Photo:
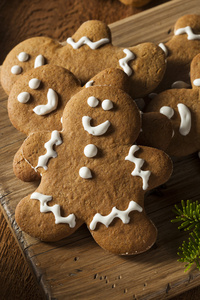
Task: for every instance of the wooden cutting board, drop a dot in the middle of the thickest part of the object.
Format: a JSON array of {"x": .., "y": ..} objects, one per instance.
[{"x": 76, "y": 267}]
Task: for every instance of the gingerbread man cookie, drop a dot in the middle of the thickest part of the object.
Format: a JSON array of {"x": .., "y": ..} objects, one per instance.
[
  {"x": 182, "y": 107},
  {"x": 93, "y": 173},
  {"x": 88, "y": 52},
  {"x": 180, "y": 50}
]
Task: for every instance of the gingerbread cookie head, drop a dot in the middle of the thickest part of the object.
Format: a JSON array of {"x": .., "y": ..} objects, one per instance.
[
  {"x": 38, "y": 98},
  {"x": 180, "y": 50},
  {"x": 93, "y": 173},
  {"x": 182, "y": 107},
  {"x": 29, "y": 54}
]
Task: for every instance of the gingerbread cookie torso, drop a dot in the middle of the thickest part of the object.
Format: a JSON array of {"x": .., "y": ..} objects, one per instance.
[{"x": 97, "y": 175}]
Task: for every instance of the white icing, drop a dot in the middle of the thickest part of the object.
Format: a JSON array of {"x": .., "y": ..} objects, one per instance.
[
  {"x": 115, "y": 213},
  {"x": 23, "y": 97},
  {"x": 179, "y": 85},
  {"x": 43, "y": 159},
  {"x": 89, "y": 83},
  {"x": 185, "y": 115},
  {"x": 95, "y": 130},
  {"x": 189, "y": 32},
  {"x": 16, "y": 70},
  {"x": 92, "y": 101},
  {"x": 90, "y": 150},
  {"x": 123, "y": 62},
  {"x": 164, "y": 48},
  {"x": 167, "y": 111},
  {"x": 107, "y": 104},
  {"x": 196, "y": 82},
  {"x": 138, "y": 165},
  {"x": 85, "y": 173},
  {"x": 52, "y": 103},
  {"x": 23, "y": 56},
  {"x": 39, "y": 61},
  {"x": 86, "y": 41},
  {"x": 34, "y": 83},
  {"x": 55, "y": 209}
]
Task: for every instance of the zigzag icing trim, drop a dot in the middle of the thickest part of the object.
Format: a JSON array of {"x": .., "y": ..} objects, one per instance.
[
  {"x": 55, "y": 209},
  {"x": 123, "y": 62},
  {"x": 138, "y": 165},
  {"x": 84, "y": 40},
  {"x": 43, "y": 159},
  {"x": 189, "y": 32},
  {"x": 115, "y": 213}
]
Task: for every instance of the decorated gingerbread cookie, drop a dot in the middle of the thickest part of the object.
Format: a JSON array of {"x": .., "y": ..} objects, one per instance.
[
  {"x": 86, "y": 53},
  {"x": 180, "y": 50},
  {"x": 93, "y": 173},
  {"x": 182, "y": 107}
]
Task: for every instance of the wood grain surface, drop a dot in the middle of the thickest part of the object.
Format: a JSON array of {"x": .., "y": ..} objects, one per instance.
[{"x": 16, "y": 279}]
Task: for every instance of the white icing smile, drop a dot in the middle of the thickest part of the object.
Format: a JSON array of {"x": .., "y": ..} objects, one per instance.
[
  {"x": 51, "y": 105},
  {"x": 189, "y": 32},
  {"x": 95, "y": 130}
]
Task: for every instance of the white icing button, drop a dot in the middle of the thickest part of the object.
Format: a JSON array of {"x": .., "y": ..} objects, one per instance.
[
  {"x": 39, "y": 61},
  {"x": 92, "y": 101},
  {"x": 23, "y": 97},
  {"x": 16, "y": 70},
  {"x": 34, "y": 83},
  {"x": 90, "y": 150},
  {"x": 196, "y": 82},
  {"x": 107, "y": 104},
  {"x": 85, "y": 173},
  {"x": 23, "y": 56}
]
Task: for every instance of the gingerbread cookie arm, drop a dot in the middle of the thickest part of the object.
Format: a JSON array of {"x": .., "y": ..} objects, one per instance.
[
  {"x": 153, "y": 166},
  {"x": 35, "y": 216},
  {"x": 23, "y": 170},
  {"x": 39, "y": 148}
]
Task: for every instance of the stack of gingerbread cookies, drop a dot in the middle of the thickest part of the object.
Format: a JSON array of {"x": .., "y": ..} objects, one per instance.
[{"x": 101, "y": 125}]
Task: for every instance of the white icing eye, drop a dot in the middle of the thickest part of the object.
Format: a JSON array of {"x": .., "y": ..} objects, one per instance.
[
  {"x": 34, "y": 83},
  {"x": 39, "y": 61},
  {"x": 16, "y": 70},
  {"x": 23, "y": 56},
  {"x": 23, "y": 97},
  {"x": 85, "y": 173},
  {"x": 92, "y": 101},
  {"x": 107, "y": 104},
  {"x": 90, "y": 150},
  {"x": 167, "y": 111}
]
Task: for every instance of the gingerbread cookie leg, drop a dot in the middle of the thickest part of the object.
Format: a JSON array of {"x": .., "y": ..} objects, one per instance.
[
  {"x": 36, "y": 214},
  {"x": 135, "y": 237}
]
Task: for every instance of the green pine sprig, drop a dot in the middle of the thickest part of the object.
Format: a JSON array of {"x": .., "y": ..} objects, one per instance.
[{"x": 189, "y": 217}]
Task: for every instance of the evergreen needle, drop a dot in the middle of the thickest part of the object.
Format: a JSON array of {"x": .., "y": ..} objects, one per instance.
[{"x": 189, "y": 217}]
